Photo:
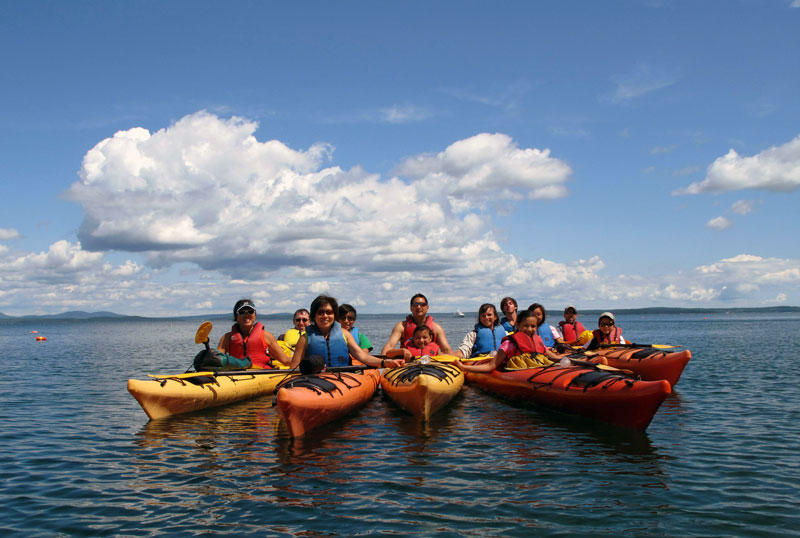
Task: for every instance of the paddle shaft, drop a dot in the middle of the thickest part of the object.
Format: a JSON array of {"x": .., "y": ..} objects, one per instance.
[{"x": 278, "y": 371}]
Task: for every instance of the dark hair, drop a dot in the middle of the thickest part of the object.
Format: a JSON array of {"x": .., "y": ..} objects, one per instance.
[
  {"x": 321, "y": 301},
  {"x": 570, "y": 310},
  {"x": 423, "y": 328},
  {"x": 534, "y": 306},
  {"x": 504, "y": 299},
  {"x": 488, "y": 306},
  {"x": 522, "y": 316},
  {"x": 239, "y": 303},
  {"x": 418, "y": 295},
  {"x": 345, "y": 309},
  {"x": 300, "y": 311}
]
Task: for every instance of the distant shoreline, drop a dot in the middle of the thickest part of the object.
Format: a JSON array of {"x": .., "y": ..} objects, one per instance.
[{"x": 650, "y": 310}]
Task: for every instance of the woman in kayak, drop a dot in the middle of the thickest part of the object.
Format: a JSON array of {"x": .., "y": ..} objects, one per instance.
[
  {"x": 486, "y": 336},
  {"x": 347, "y": 317},
  {"x": 508, "y": 306},
  {"x": 606, "y": 333},
  {"x": 249, "y": 340},
  {"x": 525, "y": 341},
  {"x": 326, "y": 338}
]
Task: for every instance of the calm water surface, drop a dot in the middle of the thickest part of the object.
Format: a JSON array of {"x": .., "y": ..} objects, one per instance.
[{"x": 78, "y": 456}]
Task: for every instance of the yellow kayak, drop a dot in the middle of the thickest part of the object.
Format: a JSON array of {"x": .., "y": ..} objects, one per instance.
[
  {"x": 165, "y": 395},
  {"x": 421, "y": 388}
]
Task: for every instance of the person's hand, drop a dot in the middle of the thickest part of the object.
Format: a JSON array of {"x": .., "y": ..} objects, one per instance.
[
  {"x": 458, "y": 363},
  {"x": 395, "y": 363}
]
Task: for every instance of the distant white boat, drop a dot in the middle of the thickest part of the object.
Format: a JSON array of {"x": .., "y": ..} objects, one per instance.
[{"x": 459, "y": 314}]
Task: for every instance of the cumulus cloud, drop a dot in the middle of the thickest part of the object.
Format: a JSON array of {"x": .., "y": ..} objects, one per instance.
[
  {"x": 8, "y": 233},
  {"x": 774, "y": 169},
  {"x": 719, "y": 223},
  {"x": 206, "y": 191}
]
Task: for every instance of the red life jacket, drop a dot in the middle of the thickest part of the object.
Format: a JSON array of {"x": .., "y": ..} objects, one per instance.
[
  {"x": 408, "y": 333},
  {"x": 571, "y": 331},
  {"x": 612, "y": 338},
  {"x": 256, "y": 351},
  {"x": 430, "y": 350},
  {"x": 527, "y": 344}
]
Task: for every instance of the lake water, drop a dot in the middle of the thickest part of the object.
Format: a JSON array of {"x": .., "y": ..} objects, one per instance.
[{"x": 78, "y": 456}]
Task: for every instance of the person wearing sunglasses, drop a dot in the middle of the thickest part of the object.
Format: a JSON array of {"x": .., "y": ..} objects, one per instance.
[
  {"x": 288, "y": 340},
  {"x": 325, "y": 339},
  {"x": 347, "y": 317},
  {"x": 404, "y": 330},
  {"x": 607, "y": 332},
  {"x": 249, "y": 340}
]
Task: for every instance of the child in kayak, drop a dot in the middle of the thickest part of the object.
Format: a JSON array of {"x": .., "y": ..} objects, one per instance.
[
  {"x": 606, "y": 333},
  {"x": 526, "y": 341},
  {"x": 422, "y": 343},
  {"x": 486, "y": 336}
]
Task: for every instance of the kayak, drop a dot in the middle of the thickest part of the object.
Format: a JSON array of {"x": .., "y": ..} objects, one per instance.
[
  {"x": 586, "y": 391},
  {"x": 308, "y": 401},
  {"x": 165, "y": 395},
  {"x": 651, "y": 364},
  {"x": 422, "y": 388}
]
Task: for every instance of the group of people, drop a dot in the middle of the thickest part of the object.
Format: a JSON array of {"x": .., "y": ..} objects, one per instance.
[{"x": 327, "y": 332}]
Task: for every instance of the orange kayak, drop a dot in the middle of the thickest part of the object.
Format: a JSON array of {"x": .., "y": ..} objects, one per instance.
[
  {"x": 648, "y": 363},
  {"x": 422, "y": 389},
  {"x": 596, "y": 394},
  {"x": 309, "y": 401}
]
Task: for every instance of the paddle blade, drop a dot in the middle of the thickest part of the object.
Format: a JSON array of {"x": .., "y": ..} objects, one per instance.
[{"x": 203, "y": 331}]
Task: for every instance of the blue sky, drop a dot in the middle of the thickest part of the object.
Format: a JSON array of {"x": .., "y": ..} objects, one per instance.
[{"x": 163, "y": 158}]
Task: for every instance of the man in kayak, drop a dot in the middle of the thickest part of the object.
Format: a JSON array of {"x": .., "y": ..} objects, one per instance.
[
  {"x": 301, "y": 319},
  {"x": 404, "y": 330}
]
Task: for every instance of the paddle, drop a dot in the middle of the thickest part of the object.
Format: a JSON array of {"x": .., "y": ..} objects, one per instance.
[
  {"x": 654, "y": 346},
  {"x": 600, "y": 366},
  {"x": 201, "y": 336},
  {"x": 334, "y": 369}
]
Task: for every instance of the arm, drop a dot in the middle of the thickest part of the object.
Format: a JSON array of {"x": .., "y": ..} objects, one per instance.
[
  {"x": 362, "y": 355},
  {"x": 394, "y": 338},
  {"x": 224, "y": 343},
  {"x": 488, "y": 366},
  {"x": 299, "y": 351},
  {"x": 441, "y": 339},
  {"x": 465, "y": 349},
  {"x": 275, "y": 350}
]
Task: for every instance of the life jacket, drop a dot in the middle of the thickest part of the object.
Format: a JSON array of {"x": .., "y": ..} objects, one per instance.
[
  {"x": 408, "y": 333},
  {"x": 571, "y": 331},
  {"x": 431, "y": 350},
  {"x": 612, "y": 338},
  {"x": 525, "y": 344},
  {"x": 333, "y": 349},
  {"x": 506, "y": 324},
  {"x": 487, "y": 339},
  {"x": 257, "y": 351},
  {"x": 546, "y": 334}
]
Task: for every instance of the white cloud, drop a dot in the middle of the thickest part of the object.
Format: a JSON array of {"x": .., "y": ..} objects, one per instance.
[
  {"x": 743, "y": 207},
  {"x": 403, "y": 114},
  {"x": 641, "y": 81},
  {"x": 775, "y": 169},
  {"x": 8, "y": 233},
  {"x": 719, "y": 223}
]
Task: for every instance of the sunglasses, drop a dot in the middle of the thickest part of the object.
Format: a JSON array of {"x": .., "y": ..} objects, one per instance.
[
  {"x": 419, "y": 304},
  {"x": 350, "y": 318},
  {"x": 246, "y": 311},
  {"x": 301, "y": 320},
  {"x": 607, "y": 324}
]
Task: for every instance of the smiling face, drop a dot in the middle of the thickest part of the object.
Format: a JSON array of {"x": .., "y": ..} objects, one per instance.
[
  {"x": 324, "y": 318},
  {"x": 528, "y": 325},
  {"x": 419, "y": 307},
  {"x": 606, "y": 325},
  {"x": 488, "y": 317},
  {"x": 539, "y": 315},
  {"x": 348, "y": 321},
  {"x": 246, "y": 318},
  {"x": 301, "y": 320},
  {"x": 422, "y": 339}
]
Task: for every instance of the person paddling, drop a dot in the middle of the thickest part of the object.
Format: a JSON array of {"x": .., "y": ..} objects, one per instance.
[
  {"x": 405, "y": 329},
  {"x": 525, "y": 341},
  {"x": 326, "y": 338},
  {"x": 248, "y": 339}
]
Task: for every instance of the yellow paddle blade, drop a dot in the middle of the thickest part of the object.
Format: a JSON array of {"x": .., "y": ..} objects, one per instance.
[
  {"x": 202, "y": 332},
  {"x": 453, "y": 358}
]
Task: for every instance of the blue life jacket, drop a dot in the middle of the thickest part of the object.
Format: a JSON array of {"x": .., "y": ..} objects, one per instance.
[
  {"x": 507, "y": 325},
  {"x": 354, "y": 332},
  {"x": 546, "y": 333},
  {"x": 487, "y": 339},
  {"x": 333, "y": 349}
]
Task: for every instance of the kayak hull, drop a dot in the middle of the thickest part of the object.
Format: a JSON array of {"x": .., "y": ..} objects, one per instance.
[
  {"x": 302, "y": 408},
  {"x": 163, "y": 396},
  {"x": 648, "y": 363},
  {"x": 422, "y": 389},
  {"x": 595, "y": 394}
]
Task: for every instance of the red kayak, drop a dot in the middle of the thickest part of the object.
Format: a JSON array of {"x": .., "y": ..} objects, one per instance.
[
  {"x": 649, "y": 363},
  {"x": 597, "y": 394},
  {"x": 309, "y": 401}
]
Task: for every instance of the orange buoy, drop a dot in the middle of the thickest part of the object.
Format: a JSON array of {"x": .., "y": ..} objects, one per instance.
[
  {"x": 34, "y": 332},
  {"x": 41, "y": 338}
]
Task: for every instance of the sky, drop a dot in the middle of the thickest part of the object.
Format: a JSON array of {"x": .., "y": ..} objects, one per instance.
[{"x": 169, "y": 158}]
